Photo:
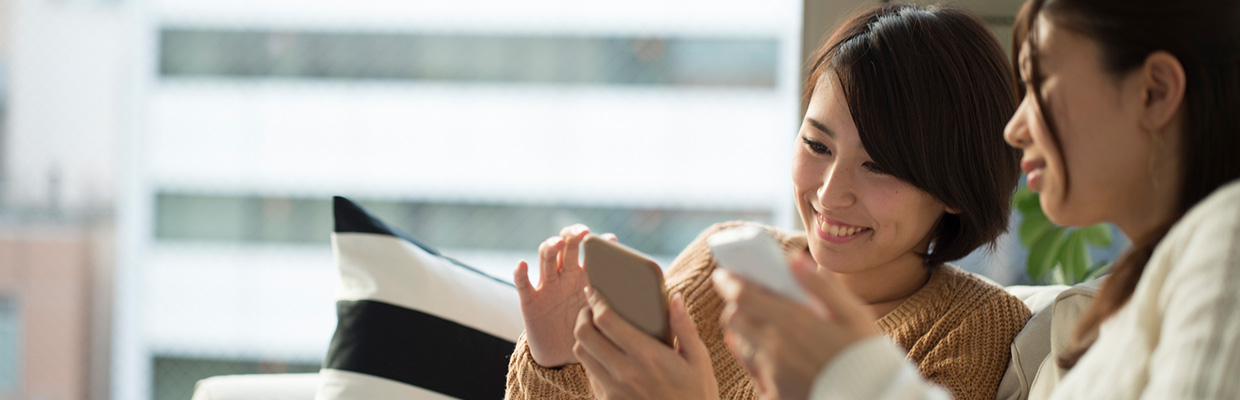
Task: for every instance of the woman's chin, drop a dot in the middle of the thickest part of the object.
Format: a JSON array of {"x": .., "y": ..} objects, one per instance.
[
  {"x": 834, "y": 262},
  {"x": 1060, "y": 213}
]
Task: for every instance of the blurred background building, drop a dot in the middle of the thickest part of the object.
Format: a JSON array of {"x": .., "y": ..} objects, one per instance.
[{"x": 166, "y": 166}]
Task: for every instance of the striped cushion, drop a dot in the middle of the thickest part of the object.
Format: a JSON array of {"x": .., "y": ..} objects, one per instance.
[{"x": 412, "y": 323}]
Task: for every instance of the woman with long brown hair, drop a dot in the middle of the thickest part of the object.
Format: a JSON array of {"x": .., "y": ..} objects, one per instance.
[{"x": 1131, "y": 115}]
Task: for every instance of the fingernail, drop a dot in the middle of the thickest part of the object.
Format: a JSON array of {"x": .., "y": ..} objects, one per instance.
[{"x": 719, "y": 276}]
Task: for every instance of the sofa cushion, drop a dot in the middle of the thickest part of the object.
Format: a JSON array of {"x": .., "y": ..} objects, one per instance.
[
  {"x": 257, "y": 386},
  {"x": 413, "y": 323},
  {"x": 1055, "y": 312}
]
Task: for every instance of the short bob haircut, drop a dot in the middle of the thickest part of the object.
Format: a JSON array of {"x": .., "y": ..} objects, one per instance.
[{"x": 930, "y": 91}]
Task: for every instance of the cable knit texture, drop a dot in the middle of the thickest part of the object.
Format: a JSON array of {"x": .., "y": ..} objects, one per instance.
[{"x": 957, "y": 328}]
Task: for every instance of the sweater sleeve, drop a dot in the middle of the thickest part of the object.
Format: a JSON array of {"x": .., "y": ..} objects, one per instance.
[
  {"x": 874, "y": 369},
  {"x": 688, "y": 275},
  {"x": 971, "y": 359},
  {"x": 1198, "y": 354},
  {"x": 528, "y": 380}
]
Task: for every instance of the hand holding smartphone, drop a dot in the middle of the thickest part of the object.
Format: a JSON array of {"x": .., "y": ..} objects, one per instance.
[
  {"x": 753, "y": 254},
  {"x": 631, "y": 283}
]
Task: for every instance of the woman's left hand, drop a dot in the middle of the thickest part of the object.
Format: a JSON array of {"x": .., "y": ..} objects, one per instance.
[
  {"x": 785, "y": 343},
  {"x": 622, "y": 362}
]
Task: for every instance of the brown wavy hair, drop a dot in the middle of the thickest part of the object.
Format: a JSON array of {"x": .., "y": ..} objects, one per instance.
[
  {"x": 930, "y": 91},
  {"x": 1205, "y": 37}
]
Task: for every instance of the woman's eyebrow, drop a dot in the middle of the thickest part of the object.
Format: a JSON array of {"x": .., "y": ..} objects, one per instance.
[{"x": 820, "y": 126}]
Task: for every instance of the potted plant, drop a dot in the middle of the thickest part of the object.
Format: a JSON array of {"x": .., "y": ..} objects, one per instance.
[{"x": 1058, "y": 255}]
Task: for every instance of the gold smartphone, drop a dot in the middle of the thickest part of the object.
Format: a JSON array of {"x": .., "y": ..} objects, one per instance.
[{"x": 631, "y": 284}]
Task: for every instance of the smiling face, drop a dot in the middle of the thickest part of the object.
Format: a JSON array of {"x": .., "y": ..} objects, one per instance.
[
  {"x": 1105, "y": 162},
  {"x": 858, "y": 218}
]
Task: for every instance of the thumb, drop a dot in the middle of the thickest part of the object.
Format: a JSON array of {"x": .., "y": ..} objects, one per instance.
[
  {"x": 839, "y": 302},
  {"x": 686, "y": 331}
]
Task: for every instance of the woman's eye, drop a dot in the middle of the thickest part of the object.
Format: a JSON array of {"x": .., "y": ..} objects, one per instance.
[
  {"x": 816, "y": 147},
  {"x": 870, "y": 165}
]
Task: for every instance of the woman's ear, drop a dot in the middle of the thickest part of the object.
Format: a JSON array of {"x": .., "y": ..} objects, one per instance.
[{"x": 1163, "y": 80}]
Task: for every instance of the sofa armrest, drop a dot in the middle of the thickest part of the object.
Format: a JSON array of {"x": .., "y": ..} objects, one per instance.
[{"x": 258, "y": 386}]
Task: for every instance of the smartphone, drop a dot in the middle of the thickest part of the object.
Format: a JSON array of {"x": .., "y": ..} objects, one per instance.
[
  {"x": 631, "y": 284},
  {"x": 753, "y": 254}
]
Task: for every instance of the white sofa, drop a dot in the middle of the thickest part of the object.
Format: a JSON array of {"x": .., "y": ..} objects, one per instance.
[{"x": 1056, "y": 309}]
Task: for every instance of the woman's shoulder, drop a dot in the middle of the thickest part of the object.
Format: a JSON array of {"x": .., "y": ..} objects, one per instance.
[
  {"x": 954, "y": 299},
  {"x": 965, "y": 291},
  {"x": 1214, "y": 220},
  {"x": 1205, "y": 242}
]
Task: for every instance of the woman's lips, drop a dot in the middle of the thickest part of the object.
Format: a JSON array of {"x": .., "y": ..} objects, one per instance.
[
  {"x": 838, "y": 232},
  {"x": 1030, "y": 165},
  {"x": 1033, "y": 173}
]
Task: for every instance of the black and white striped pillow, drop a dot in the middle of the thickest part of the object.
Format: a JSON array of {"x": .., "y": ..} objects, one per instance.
[{"x": 412, "y": 323}]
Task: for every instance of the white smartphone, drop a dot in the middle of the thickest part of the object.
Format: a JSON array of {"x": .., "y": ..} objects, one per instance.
[{"x": 753, "y": 254}]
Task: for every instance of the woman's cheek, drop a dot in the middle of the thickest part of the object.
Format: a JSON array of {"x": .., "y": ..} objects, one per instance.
[{"x": 806, "y": 175}]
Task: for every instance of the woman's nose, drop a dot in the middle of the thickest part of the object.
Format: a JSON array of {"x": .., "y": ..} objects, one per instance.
[
  {"x": 837, "y": 188},
  {"x": 1016, "y": 133}
]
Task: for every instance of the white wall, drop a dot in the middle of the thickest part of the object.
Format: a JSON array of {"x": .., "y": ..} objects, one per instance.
[{"x": 67, "y": 87}]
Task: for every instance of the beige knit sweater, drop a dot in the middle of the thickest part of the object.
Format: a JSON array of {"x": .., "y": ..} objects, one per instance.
[{"x": 957, "y": 329}]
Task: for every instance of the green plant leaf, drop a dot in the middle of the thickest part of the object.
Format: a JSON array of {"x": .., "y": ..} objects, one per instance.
[
  {"x": 1032, "y": 227},
  {"x": 1044, "y": 253},
  {"x": 1100, "y": 268},
  {"x": 1074, "y": 258},
  {"x": 1058, "y": 277},
  {"x": 1027, "y": 201},
  {"x": 1097, "y": 234}
]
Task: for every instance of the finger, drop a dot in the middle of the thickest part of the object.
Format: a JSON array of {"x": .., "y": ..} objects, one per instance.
[
  {"x": 746, "y": 328},
  {"x": 573, "y": 230},
  {"x": 686, "y": 332},
  {"x": 593, "y": 342},
  {"x": 744, "y": 334},
  {"x": 744, "y": 354},
  {"x": 572, "y": 236},
  {"x": 610, "y": 236},
  {"x": 595, "y": 370},
  {"x": 521, "y": 278},
  {"x": 547, "y": 253},
  {"x": 838, "y": 300},
  {"x": 725, "y": 284},
  {"x": 733, "y": 344},
  {"x": 751, "y": 298},
  {"x": 615, "y": 328}
]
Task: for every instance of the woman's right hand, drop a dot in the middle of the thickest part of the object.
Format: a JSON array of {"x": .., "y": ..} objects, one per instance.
[{"x": 550, "y": 310}]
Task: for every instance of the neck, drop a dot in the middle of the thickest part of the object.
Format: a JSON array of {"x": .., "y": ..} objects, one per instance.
[
  {"x": 884, "y": 288},
  {"x": 1141, "y": 227},
  {"x": 1152, "y": 202}
]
